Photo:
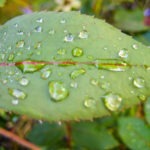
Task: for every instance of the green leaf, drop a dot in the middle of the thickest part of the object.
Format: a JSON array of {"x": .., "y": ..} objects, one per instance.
[
  {"x": 134, "y": 133},
  {"x": 90, "y": 135},
  {"x": 130, "y": 20},
  {"x": 68, "y": 66},
  {"x": 147, "y": 110},
  {"x": 2, "y": 3},
  {"x": 47, "y": 135}
]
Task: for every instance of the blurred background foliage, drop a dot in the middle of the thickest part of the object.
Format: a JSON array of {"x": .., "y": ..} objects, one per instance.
[{"x": 129, "y": 129}]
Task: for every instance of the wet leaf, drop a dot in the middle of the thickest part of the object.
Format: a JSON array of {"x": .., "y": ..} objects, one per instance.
[
  {"x": 68, "y": 66},
  {"x": 134, "y": 133}
]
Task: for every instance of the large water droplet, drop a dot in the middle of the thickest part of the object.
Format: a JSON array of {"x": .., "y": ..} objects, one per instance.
[
  {"x": 57, "y": 90},
  {"x": 24, "y": 81},
  {"x": 69, "y": 38},
  {"x": 61, "y": 51},
  {"x": 77, "y": 73},
  {"x": 45, "y": 74},
  {"x": 20, "y": 44},
  {"x": 111, "y": 64},
  {"x": 77, "y": 52},
  {"x": 19, "y": 94},
  {"x": 112, "y": 101},
  {"x": 83, "y": 34},
  {"x": 89, "y": 103},
  {"x": 123, "y": 53},
  {"x": 139, "y": 82},
  {"x": 38, "y": 29},
  {"x": 30, "y": 66}
]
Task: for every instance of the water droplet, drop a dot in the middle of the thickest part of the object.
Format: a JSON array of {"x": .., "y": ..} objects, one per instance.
[
  {"x": 105, "y": 85},
  {"x": 63, "y": 21},
  {"x": 30, "y": 66},
  {"x": 45, "y": 74},
  {"x": 112, "y": 101},
  {"x": 139, "y": 82},
  {"x": 20, "y": 44},
  {"x": 24, "y": 81},
  {"x": 11, "y": 57},
  {"x": 61, "y": 51},
  {"x": 89, "y": 102},
  {"x": 38, "y": 29},
  {"x": 16, "y": 25},
  {"x": 52, "y": 32},
  {"x": 39, "y": 20},
  {"x": 20, "y": 32},
  {"x": 77, "y": 73},
  {"x": 123, "y": 53},
  {"x": 69, "y": 38},
  {"x": 57, "y": 90},
  {"x": 37, "y": 45},
  {"x": 4, "y": 81},
  {"x": 17, "y": 93},
  {"x": 74, "y": 84},
  {"x": 15, "y": 101},
  {"x": 135, "y": 46},
  {"x": 142, "y": 97},
  {"x": 94, "y": 82},
  {"x": 83, "y": 34},
  {"x": 77, "y": 52},
  {"x": 111, "y": 64}
]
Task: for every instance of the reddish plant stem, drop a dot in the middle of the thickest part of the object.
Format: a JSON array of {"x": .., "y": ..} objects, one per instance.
[
  {"x": 18, "y": 140},
  {"x": 69, "y": 134}
]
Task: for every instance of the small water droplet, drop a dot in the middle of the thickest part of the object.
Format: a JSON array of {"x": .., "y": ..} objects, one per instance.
[
  {"x": 112, "y": 101},
  {"x": 4, "y": 81},
  {"x": 83, "y": 34},
  {"x": 52, "y": 32},
  {"x": 24, "y": 81},
  {"x": 94, "y": 82},
  {"x": 123, "y": 53},
  {"x": 89, "y": 103},
  {"x": 142, "y": 97},
  {"x": 38, "y": 29},
  {"x": 139, "y": 82},
  {"x": 63, "y": 21},
  {"x": 20, "y": 32},
  {"x": 11, "y": 57},
  {"x": 61, "y": 51},
  {"x": 74, "y": 84},
  {"x": 77, "y": 52},
  {"x": 19, "y": 94},
  {"x": 105, "y": 85},
  {"x": 37, "y": 45},
  {"x": 77, "y": 73},
  {"x": 135, "y": 46},
  {"x": 57, "y": 90},
  {"x": 69, "y": 38},
  {"x": 20, "y": 44},
  {"x": 30, "y": 66},
  {"x": 111, "y": 64},
  {"x": 39, "y": 20},
  {"x": 45, "y": 74},
  {"x": 15, "y": 101},
  {"x": 16, "y": 25}
]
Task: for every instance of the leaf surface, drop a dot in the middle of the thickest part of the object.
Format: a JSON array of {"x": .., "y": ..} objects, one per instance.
[{"x": 68, "y": 66}]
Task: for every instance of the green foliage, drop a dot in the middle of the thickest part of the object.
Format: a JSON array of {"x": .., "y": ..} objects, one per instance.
[
  {"x": 147, "y": 110},
  {"x": 85, "y": 71},
  {"x": 2, "y": 3},
  {"x": 134, "y": 133}
]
